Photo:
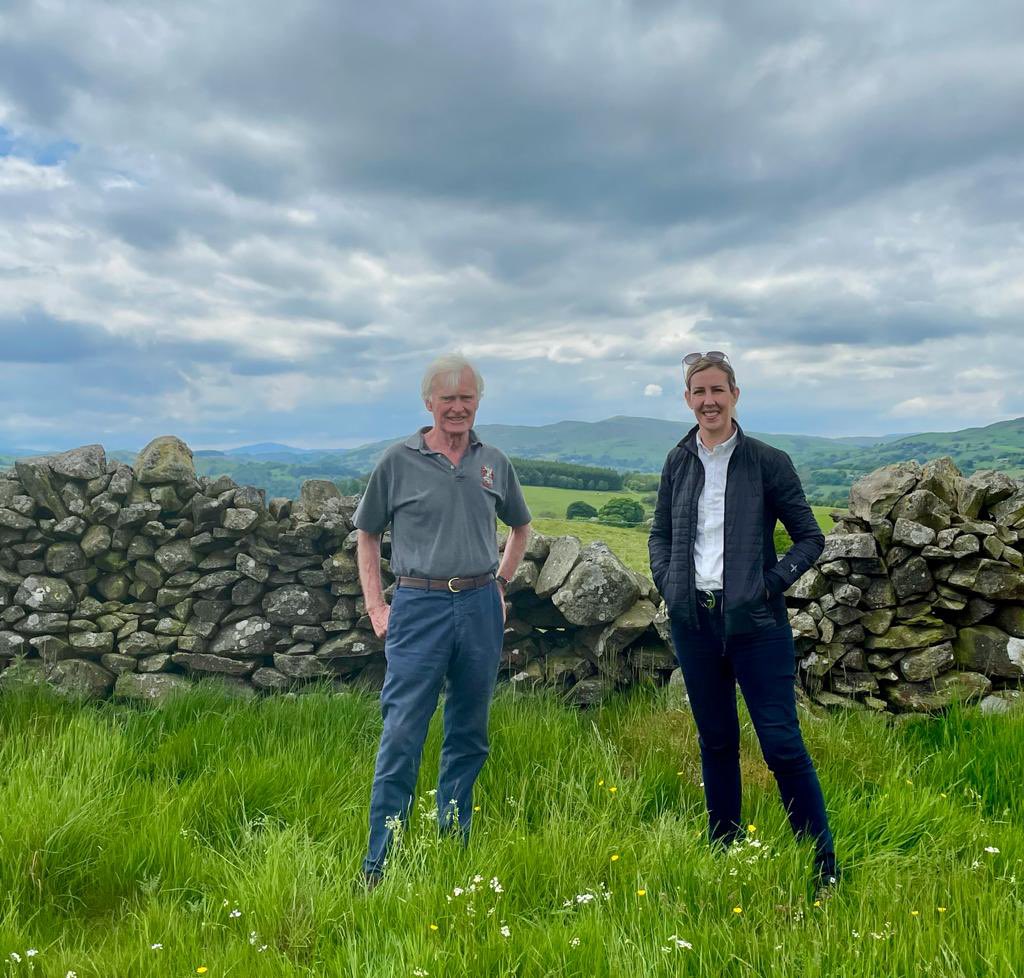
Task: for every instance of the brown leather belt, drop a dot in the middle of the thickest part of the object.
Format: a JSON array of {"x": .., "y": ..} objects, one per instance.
[{"x": 453, "y": 584}]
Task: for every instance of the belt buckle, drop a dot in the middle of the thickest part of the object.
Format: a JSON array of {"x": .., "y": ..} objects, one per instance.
[
  {"x": 452, "y": 587},
  {"x": 709, "y": 600}
]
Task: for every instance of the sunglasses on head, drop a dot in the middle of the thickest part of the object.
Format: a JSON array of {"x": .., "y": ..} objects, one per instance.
[{"x": 715, "y": 356}]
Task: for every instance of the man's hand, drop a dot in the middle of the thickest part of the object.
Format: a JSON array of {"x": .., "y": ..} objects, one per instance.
[
  {"x": 515, "y": 547},
  {"x": 379, "y": 616}
]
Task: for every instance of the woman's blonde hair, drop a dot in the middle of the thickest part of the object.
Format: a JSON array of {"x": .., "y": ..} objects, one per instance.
[{"x": 704, "y": 363}]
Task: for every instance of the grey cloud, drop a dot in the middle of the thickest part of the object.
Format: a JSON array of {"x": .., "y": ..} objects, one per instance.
[
  {"x": 34, "y": 336},
  {"x": 354, "y": 314},
  {"x": 39, "y": 76},
  {"x": 460, "y": 103}
]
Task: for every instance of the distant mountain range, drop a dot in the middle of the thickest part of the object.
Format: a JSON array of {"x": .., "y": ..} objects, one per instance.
[{"x": 827, "y": 466}]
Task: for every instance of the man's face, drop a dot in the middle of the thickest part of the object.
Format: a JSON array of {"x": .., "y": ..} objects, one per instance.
[
  {"x": 713, "y": 403},
  {"x": 454, "y": 408}
]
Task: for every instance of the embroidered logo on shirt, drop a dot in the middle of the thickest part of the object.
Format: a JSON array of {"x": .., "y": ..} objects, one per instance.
[{"x": 487, "y": 476}]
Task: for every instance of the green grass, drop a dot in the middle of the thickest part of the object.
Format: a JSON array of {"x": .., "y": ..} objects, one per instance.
[
  {"x": 630, "y": 544},
  {"x": 548, "y": 503},
  {"x": 122, "y": 828},
  {"x": 821, "y": 514}
]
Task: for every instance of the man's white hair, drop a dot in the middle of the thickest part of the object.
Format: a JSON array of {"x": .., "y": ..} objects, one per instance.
[{"x": 448, "y": 370}]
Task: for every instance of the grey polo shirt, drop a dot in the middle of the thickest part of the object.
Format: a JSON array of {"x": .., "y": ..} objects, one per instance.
[{"x": 442, "y": 516}]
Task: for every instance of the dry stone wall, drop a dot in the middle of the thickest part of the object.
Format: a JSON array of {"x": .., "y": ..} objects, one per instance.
[
  {"x": 135, "y": 581},
  {"x": 917, "y": 601}
]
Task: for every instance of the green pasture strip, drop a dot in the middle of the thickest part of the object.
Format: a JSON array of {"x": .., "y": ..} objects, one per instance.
[
  {"x": 821, "y": 514},
  {"x": 546, "y": 502},
  {"x": 628, "y": 543},
  {"x": 224, "y": 835}
]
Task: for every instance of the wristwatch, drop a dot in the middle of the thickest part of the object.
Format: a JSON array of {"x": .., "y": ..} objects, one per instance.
[{"x": 502, "y": 583}]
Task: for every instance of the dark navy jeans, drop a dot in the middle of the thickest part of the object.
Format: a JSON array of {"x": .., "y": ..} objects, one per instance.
[
  {"x": 764, "y": 665},
  {"x": 434, "y": 638}
]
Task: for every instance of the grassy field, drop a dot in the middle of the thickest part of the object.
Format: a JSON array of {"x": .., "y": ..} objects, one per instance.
[
  {"x": 215, "y": 837},
  {"x": 631, "y": 544},
  {"x": 548, "y": 503}
]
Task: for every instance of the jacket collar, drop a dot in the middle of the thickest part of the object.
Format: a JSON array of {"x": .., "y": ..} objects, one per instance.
[{"x": 689, "y": 441}]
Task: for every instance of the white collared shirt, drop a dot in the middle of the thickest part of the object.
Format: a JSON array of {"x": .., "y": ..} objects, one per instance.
[{"x": 709, "y": 542}]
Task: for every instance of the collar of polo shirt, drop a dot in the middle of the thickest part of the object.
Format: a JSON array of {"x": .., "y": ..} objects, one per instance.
[{"x": 417, "y": 441}]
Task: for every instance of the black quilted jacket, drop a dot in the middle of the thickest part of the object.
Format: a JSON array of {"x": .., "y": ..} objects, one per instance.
[{"x": 762, "y": 486}]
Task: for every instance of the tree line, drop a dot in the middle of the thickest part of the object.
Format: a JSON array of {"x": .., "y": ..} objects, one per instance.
[{"x": 567, "y": 475}]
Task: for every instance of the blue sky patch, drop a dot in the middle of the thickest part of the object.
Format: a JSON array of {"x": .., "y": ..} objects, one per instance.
[{"x": 45, "y": 153}]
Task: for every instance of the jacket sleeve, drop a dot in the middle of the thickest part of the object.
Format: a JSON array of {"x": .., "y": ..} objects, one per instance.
[
  {"x": 659, "y": 543},
  {"x": 787, "y": 500}
]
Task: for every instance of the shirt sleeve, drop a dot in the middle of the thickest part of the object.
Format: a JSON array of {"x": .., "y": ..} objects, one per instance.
[
  {"x": 513, "y": 510},
  {"x": 373, "y": 514}
]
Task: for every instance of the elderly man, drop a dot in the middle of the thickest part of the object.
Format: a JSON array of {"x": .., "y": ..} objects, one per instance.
[
  {"x": 439, "y": 491},
  {"x": 713, "y": 560}
]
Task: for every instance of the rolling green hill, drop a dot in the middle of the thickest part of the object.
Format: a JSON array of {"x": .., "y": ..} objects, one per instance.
[
  {"x": 624, "y": 443},
  {"x": 996, "y": 446}
]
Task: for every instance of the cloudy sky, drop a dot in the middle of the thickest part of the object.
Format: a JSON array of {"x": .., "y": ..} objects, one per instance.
[{"x": 249, "y": 221}]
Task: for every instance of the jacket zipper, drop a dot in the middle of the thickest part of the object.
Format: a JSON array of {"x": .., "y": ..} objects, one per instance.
[
  {"x": 725, "y": 524},
  {"x": 694, "y": 511}
]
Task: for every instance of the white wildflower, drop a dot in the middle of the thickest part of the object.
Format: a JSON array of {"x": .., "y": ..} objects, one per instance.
[
  {"x": 235, "y": 913},
  {"x": 156, "y": 947},
  {"x": 420, "y": 972},
  {"x": 31, "y": 952},
  {"x": 15, "y": 957},
  {"x": 504, "y": 930},
  {"x": 458, "y": 891},
  {"x": 991, "y": 849},
  {"x": 676, "y": 943},
  {"x": 496, "y": 886}
]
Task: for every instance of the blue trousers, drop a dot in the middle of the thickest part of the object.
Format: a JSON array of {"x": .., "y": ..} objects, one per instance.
[
  {"x": 434, "y": 638},
  {"x": 764, "y": 665}
]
